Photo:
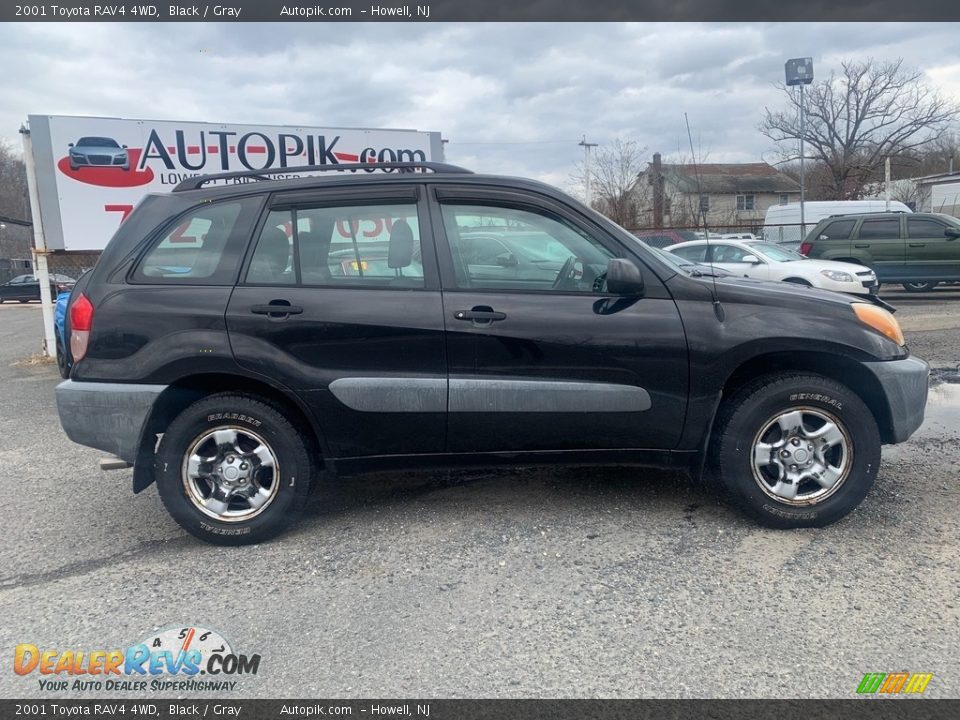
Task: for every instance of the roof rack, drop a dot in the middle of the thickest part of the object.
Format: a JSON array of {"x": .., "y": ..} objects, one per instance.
[{"x": 195, "y": 183}]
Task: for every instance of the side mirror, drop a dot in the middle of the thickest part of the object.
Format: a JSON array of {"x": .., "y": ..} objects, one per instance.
[
  {"x": 124, "y": 147},
  {"x": 624, "y": 278},
  {"x": 952, "y": 233},
  {"x": 69, "y": 144},
  {"x": 752, "y": 259},
  {"x": 507, "y": 260}
]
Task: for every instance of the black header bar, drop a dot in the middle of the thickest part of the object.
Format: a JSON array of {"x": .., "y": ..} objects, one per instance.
[
  {"x": 150, "y": 708},
  {"x": 481, "y": 11}
]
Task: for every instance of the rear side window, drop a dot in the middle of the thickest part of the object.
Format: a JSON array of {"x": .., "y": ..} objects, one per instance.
[
  {"x": 924, "y": 228},
  {"x": 202, "y": 247},
  {"x": 694, "y": 253},
  {"x": 363, "y": 245},
  {"x": 838, "y": 230},
  {"x": 886, "y": 229}
]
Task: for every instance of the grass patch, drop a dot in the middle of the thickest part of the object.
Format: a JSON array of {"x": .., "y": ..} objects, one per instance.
[{"x": 35, "y": 360}]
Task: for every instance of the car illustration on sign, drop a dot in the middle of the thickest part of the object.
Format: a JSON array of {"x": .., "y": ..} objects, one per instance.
[{"x": 98, "y": 152}]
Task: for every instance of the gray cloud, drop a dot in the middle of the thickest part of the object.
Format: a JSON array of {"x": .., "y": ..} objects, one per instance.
[{"x": 512, "y": 98}]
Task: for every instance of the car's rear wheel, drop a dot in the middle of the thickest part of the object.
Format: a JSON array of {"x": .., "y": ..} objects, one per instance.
[
  {"x": 796, "y": 450},
  {"x": 919, "y": 286},
  {"x": 233, "y": 469}
]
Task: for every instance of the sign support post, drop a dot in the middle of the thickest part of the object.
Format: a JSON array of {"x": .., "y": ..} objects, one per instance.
[{"x": 40, "y": 251}]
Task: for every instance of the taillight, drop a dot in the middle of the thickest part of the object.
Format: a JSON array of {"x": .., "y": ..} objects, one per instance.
[
  {"x": 81, "y": 320},
  {"x": 805, "y": 248}
]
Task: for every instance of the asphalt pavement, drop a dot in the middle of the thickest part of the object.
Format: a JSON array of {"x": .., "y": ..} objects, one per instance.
[{"x": 526, "y": 583}]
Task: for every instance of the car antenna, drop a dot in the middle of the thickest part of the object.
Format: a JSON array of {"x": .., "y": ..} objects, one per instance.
[{"x": 717, "y": 307}]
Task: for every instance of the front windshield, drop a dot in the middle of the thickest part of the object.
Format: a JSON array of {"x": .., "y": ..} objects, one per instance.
[{"x": 775, "y": 252}]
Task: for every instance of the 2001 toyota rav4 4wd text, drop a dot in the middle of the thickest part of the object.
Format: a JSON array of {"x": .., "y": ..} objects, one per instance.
[{"x": 234, "y": 340}]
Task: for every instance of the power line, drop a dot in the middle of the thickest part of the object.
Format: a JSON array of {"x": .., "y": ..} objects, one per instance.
[{"x": 514, "y": 142}]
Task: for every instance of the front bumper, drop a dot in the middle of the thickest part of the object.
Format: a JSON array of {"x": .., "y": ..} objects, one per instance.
[
  {"x": 106, "y": 416},
  {"x": 905, "y": 383}
]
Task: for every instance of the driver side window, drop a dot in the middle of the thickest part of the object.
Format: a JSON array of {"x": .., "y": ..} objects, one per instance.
[{"x": 511, "y": 249}]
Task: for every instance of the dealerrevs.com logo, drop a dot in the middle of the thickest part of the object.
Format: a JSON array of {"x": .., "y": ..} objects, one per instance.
[{"x": 178, "y": 659}]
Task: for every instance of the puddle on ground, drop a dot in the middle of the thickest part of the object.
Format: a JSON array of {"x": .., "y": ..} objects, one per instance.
[{"x": 942, "y": 417}]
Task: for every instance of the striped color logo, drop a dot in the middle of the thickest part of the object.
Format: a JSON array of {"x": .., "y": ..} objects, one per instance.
[{"x": 894, "y": 683}]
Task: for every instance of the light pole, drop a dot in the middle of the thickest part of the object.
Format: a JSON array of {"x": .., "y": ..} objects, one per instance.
[
  {"x": 799, "y": 71},
  {"x": 586, "y": 167}
]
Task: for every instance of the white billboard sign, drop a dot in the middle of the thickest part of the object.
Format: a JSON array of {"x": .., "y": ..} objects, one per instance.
[{"x": 91, "y": 172}]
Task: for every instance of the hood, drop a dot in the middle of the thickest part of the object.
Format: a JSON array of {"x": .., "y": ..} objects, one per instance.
[
  {"x": 774, "y": 289},
  {"x": 818, "y": 265}
]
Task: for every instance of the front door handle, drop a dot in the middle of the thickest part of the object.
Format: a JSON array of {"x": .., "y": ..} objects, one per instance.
[
  {"x": 918, "y": 244},
  {"x": 480, "y": 315},
  {"x": 277, "y": 309},
  {"x": 864, "y": 245}
]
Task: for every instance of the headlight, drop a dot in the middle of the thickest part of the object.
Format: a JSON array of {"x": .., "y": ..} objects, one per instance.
[
  {"x": 880, "y": 320},
  {"x": 837, "y": 276}
]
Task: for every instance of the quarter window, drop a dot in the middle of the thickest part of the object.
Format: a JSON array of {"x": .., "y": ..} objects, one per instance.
[
  {"x": 375, "y": 245},
  {"x": 509, "y": 248},
  {"x": 202, "y": 247}
]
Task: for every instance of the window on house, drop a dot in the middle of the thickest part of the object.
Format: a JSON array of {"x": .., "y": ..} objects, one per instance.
[
  {"x": 704, "y": 203},
  {"x": 746, "y": 202},
  {"x": 783, "y": 199}
]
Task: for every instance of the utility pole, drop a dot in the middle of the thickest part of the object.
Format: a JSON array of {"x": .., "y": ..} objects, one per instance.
[
  {"x": 799, "y": 71},
  {"x": 586, "y": 167}
]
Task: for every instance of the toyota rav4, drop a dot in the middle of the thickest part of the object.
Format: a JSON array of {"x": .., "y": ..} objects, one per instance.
[{"x": 238, "y": 342}]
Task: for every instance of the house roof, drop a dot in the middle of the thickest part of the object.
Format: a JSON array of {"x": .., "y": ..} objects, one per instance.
[
  {"x": 937, "y": 179},
  {"x": 730, "y": 178}
]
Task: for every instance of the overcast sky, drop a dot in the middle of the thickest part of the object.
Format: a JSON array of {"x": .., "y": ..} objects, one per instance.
[{"x": 511, "y": 98}]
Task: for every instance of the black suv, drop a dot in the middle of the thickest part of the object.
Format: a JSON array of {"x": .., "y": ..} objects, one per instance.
[
  {"x": 234, "y": 341},
  {"x": 918, "y": 250}
]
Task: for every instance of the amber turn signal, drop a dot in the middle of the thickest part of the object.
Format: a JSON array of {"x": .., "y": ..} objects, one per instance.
[{"x": 880, "y": 320}]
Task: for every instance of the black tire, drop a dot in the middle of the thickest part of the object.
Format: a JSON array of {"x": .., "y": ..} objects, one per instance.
[
  {"x": 62, "y": 361},
  {"x": 750, "y": 409},
  {"x": 798, "y": 281},
  {"x": 247, "y": 414},
  {"x": 24, "y": 301},
  {"x": 920, "y": 286}
]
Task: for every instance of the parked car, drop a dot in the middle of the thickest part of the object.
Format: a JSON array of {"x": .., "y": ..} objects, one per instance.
[
  {"x": 255, "y": 374},
  {"x": 59, "y": 320},
  {"x": 664, "y": 237},
  {"x": 768, "y": 261},
  {"x": 918, "y": 250},
  {"x": 25, "y": 288},
  {"x": 98, "y": 152},
  {"x": 782, "y": 223}
]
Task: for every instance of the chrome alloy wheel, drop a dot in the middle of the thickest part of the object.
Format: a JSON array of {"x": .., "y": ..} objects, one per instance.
[
  {"x": 230, "y": 474},
  {"x": 802, "y": 456}
]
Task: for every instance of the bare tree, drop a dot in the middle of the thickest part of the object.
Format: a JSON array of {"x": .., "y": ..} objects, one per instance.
[
  {"x": 856, "y": 118},
  {"x": 613, "y": 174}
]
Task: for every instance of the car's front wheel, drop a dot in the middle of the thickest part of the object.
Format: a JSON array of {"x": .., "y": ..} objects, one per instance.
[
  {"x": 233, "y": 469},
  {"x": 796, "y": 450}
]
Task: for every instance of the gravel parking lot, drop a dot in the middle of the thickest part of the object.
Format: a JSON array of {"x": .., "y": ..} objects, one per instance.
[{"x": 539, "y": 583}]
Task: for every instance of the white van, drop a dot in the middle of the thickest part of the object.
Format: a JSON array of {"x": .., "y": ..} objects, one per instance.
[{"x": 782, "y": 223}]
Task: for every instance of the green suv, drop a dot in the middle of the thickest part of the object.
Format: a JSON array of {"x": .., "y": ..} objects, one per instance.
[{"x": 919, "y": 250}]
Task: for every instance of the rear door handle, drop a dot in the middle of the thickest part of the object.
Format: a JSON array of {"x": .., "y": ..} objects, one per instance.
[
  {"x": 276, "y": 309},
  {"x": 479, "y": 315},
  {"x": 865, "y": 245},
  {"x": 918, "y": 244}
]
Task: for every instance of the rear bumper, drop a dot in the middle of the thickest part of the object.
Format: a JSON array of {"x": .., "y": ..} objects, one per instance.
[
  {"x": 905, "y": 383},
  {"x": 106, "y": 416}
]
